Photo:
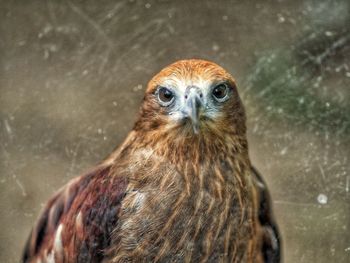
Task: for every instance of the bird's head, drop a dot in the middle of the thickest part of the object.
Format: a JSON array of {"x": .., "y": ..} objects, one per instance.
[{"x": 192, "y": 98}]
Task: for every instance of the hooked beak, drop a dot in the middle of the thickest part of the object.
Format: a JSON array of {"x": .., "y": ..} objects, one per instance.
[{"x": 193, "y": 103}]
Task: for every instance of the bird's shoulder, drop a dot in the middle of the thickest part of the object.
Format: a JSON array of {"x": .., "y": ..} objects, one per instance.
[
  {"x": 76, "y": 223},
  {"x": 270, "y": 238}
]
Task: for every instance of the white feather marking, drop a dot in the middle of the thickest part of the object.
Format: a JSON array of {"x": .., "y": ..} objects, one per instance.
[
  {"x": 50, "y": 257},
  {"x": 139, "y": 199},
  {"x": 78, "y": 220},
  {"x": 57, "y": 245}
]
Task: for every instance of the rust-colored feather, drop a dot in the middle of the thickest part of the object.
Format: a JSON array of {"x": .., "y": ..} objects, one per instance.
[{"x": 169, "y": 193}]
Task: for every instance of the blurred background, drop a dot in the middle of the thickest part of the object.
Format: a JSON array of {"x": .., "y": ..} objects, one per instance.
[{"x": 73, "y": 73}]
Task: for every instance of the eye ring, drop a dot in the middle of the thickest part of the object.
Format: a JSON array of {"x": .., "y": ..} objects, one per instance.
[
  {"x": 165, "y": 96},
  {"x": 220, "y": 92}
]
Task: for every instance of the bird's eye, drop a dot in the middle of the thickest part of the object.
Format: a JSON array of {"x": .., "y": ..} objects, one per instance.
[
  {"x": 220, "y": 92},
  {"x": 165, "y": 96}
]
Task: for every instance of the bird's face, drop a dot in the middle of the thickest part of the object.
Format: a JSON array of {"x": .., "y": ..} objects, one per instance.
[{"x": 193, "y": 96}]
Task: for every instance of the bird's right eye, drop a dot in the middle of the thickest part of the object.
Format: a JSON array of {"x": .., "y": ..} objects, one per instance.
[{"x": 165, "y": 96}]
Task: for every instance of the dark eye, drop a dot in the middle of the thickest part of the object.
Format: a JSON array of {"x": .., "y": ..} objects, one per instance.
[
  {"x": 220, "y": 92},
  {"x": 165, "y": 96}
]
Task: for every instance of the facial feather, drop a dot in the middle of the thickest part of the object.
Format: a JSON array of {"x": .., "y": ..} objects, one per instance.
[{"x": 219, "y": 123}]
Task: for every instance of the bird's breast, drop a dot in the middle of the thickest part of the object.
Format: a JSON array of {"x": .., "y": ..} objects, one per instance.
[{"x": 184, "y": 217}]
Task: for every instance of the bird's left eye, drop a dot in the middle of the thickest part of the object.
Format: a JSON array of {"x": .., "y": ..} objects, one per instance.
[
  {"x": 165, "y": 96},
  {"x": 220, "y": 92}
]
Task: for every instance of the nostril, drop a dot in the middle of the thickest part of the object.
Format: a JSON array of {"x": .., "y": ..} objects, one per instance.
[
  {"x": 201, "y": 95},
  {"x": 186, "y": 96}
]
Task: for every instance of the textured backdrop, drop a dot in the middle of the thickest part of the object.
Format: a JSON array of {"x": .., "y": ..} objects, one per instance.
[{"x": 72, "y": 75}]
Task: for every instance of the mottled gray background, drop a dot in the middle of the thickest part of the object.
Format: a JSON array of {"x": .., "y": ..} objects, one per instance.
[{"x": 72, "y": 75}]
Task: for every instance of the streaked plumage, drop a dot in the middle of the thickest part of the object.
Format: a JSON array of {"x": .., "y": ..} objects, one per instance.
[{"x": 180, "y": 188}]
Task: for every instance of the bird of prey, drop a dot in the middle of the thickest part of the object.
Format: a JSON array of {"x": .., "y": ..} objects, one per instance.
[{"x": 180, "y": 188}]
